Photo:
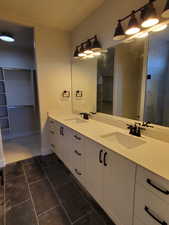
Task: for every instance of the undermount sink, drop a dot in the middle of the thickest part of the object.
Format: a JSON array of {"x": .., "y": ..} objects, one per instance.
[
  {"x": 76, "y": 120},
  {"x": 126, "y": 141}
]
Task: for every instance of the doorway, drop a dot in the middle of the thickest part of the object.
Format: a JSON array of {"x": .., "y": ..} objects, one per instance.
[{"x": 19, "y": 108}]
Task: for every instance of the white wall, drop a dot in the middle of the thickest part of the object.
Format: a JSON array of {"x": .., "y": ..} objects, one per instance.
[
  {"x": 53, "y": 50},
  {"x": 16, "y": 57},
  {"x": 103, "y": 21}
]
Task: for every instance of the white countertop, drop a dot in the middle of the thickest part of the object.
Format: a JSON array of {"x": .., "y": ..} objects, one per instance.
[{"x": 153, "y": 155}]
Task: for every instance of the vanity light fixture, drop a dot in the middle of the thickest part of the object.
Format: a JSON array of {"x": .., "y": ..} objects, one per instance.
[
  {"x": 165, "y": 13},
  {"x": 142, "y": 35},
  {"x": 96, "y": 46},
  {"x": 7, "y": 37},
  {"x": 159, "y": 27},
  {"x": 76, "y": 53},
  {"x": 133, "y": 26},
  {"x": 119, "y": 32},
  {"x": 88, "y": 49},
  {"x": 148, "y": 15},
  {"x": 149, "y": 22},
  {"x": 81, "y": 51}
]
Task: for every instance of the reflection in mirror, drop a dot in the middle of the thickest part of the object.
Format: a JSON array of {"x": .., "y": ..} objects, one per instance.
[
  {"x": 119, "y": 80},
  {"x": 157, "y": 86},
  {"x": 84, "y": 79}
]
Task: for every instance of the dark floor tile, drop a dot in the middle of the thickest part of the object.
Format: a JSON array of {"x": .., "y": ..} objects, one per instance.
[
  {"x": 49, "y": 160},
  {"x": 34, "y": 172},
  {"x": 14, "y": 170},
  {"x": 16, "y": 191},
  {"x": 43, "y": 196},
  {"x": 1, "y": 205},
  {"x": 21, "y": 215},
  {"x": 30, "y": 161},
  {"x": 54, "y": 217},
  {"x": 73, "y": 201},
  {"x": 90, "y": 219},
  {"x": 101, "y": 212},
  {"x": 58, "y": 176}
]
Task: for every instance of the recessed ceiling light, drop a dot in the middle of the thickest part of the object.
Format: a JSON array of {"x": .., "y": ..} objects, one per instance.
[{"x": 7, "y": 37}]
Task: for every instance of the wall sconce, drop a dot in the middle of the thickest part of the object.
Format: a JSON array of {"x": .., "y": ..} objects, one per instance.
[
  {"x": 88, "y": 49},
  {"x": 149, "y": 19}
]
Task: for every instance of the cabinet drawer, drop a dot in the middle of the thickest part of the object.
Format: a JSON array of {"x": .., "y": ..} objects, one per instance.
[
  {"x": 153, "y": 183},
  {"x": 149, "y": 208},
  {"x": 77, "y": 141}
]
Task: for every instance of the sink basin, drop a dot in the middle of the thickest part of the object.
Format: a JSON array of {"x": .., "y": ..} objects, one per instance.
[
  {"x": 76, "y": 120},
  {"x": 126, "y": 141}
]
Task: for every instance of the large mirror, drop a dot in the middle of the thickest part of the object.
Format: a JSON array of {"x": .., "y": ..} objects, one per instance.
[{"x": 129, "y": 80}]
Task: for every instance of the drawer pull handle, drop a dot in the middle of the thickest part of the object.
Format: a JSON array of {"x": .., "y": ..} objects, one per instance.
[
  {"x": 100, "y": 156},
  {"x": 78, "y": 138},
  {"x": 77, "y": 153},
  {"x": 52, "y": 132},
  {"x": 159, "y": 189},
  {"x": 78, "y": 173},
  {"x": 61, "y": 131},
  {"x": 105, "y": 154},
  {"x": 155, "y": 218}
]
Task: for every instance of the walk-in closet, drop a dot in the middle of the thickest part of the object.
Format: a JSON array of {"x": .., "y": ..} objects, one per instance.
[{"x": 19, "y": 111}]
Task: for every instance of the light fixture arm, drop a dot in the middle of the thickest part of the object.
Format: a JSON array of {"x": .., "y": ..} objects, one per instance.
[{"x": 136, "y": 11}]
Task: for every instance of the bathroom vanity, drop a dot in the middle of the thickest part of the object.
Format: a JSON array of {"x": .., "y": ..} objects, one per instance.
[{"x": 128, "y": 176}]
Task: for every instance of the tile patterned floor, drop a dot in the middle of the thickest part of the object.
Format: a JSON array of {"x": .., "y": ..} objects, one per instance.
[{"x": 41, "y": 191}]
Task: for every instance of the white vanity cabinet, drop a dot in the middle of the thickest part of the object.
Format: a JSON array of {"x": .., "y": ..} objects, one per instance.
[
  {"x": 151, "y": 198},
  {"x": 110, "y": 179},
  {"x": 78, "y": 156},
  {"x": 52, "y": 134},
  {"x": 118, "y": 187},
  {"x": 94, "y": 170}
]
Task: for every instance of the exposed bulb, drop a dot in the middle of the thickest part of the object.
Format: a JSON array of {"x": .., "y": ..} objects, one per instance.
[
  {"x": 142, "y": 35},
  {"x": 150, "y": 22},
  {"x": 132, "y": 30},
  {"x": 159, "y": 28}
]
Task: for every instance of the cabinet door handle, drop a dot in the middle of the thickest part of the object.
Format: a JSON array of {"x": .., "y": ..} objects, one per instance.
[
  {"x": 77, "y": 153},
  {"x": 100, "y": 156},
  {"x": 61, "y": 131},
  {"x": 52, "y": 132},
  {"x": 154, "y": 217},
  {"x": 78, "y": 173},
  {"x": 105, "y": 154},
  {"x": 77, "y": 137},
  {"x": 157, "y": 188}
]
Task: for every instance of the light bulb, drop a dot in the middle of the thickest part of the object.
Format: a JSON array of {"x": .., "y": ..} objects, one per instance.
[
  {"x": 132, "y": 30},
  {"x": 142, "y": 35},
  {"x": 150, "y": 22},
  {"x": 159, "y": 28}
]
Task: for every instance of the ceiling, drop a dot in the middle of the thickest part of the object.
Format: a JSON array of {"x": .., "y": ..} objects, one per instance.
[{"x": 63, "y": 14}]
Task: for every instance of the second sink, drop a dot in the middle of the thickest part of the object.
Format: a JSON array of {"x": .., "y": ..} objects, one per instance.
[{"x": 126, "y": 141}]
